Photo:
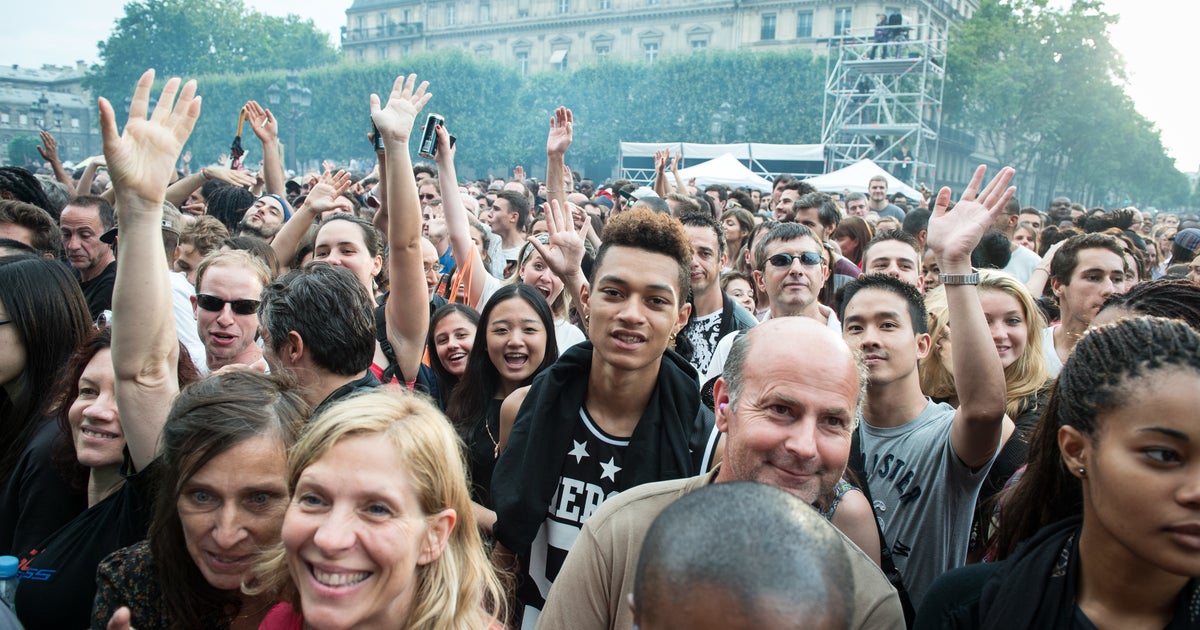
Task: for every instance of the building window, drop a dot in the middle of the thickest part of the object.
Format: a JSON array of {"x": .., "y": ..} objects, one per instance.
[
  {"x": 523, "y": 61},
  {"x": 4, "y": 118},
  {"x": 558, "y": 59},
  {"x": 841, "y": 21},
  {"x": 449, "y": 15},
  {"x": 602, "y": 50},
  {"x": 564, "y": 6},
  {"x": 406, "y": 16},
  {"x": 767, "y": 32},
  {"x": 23, "y": 120},
  {"x": 804, "y": 24},
  {"x": 361, "y": 53},
  {"x": 485, "y": 12},
  {"x": 651, "y": 50},
  {"x": 605, "y": 4},
  {"x": 699, "y": 45},
  {"x": 405, "y": 48},
  {"x": 361, "y": 21},
  {"x": 382, "y": 20},
  {"x": 383, "y": 52}
]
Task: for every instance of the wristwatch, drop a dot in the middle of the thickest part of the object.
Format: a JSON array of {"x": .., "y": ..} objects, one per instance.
[{"x": 955, "y": 279}]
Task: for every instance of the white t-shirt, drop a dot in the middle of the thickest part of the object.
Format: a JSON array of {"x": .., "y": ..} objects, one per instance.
[
  {"x": 1022, "y": 263},
  {"x": 1053, "y": 363},
  {"x": 182, "y": 293}
]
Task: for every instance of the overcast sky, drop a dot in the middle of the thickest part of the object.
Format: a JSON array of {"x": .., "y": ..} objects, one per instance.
[{"x": 1153, "y": 36}]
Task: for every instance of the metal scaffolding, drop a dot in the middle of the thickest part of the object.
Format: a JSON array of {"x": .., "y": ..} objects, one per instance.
[{"x": 883, "y": 98}]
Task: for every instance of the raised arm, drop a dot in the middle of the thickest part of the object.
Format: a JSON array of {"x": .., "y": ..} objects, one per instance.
[
  {"x": 978, "y": 374},
  {"x": 178, "y": 192},
  {"x": 466, "y": 255},
  {"x": 145, "y": 350},
  {"x": 661, "y": 186},
  {"x": 681, "y": 186},
  {"x": 558, "y": 140},
  {"x": 408, "y": 303},
  {"x": 49, "y": 152},
  {"x": 84, "y": 187},
  {"x": 321, "y": 198},
  {"x": 564, "y": 254},
  {"x": 263, "y": 122},
  {"x": 380, "y": 220}
]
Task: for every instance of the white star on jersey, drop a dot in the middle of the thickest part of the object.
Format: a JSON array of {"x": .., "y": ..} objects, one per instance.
[
  {"x": 610, "y": 469},
  {"x": 579, "y": 452}
]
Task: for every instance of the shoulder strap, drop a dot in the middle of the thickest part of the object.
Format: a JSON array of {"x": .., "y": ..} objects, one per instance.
[{"x": 858, "y": 466}]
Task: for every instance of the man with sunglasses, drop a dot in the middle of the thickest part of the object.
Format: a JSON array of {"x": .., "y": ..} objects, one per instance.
[
  {"x": 789, "y": 268},
  {"x": 229, "y": 286}
]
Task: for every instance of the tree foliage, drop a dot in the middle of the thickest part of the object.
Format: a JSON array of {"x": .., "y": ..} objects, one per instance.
[
  {"x": 500, "y": 118},
  {"x": 22, "y": 150},
  {"x": 183, "y": 38},
  {"x": 1044, "y": 91}
]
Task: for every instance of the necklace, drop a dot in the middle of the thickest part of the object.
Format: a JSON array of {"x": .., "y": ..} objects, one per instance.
[{"x": 495, "y": 442}]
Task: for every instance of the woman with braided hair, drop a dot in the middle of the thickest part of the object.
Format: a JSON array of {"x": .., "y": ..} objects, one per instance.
[
  {"x": 1103, "y": 530},
  {"x": 18, "y": 183}
]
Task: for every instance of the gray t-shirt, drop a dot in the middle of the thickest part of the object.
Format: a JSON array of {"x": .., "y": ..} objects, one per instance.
[{"x": 923, "y": 495}]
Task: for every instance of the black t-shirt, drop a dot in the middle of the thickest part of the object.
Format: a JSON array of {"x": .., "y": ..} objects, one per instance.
[
  {"x": 98, "y": 291},
  {"x": 58, "y": 583},
  {"x": 481, "y": 453},
  {"x": 37, "y": 500}
]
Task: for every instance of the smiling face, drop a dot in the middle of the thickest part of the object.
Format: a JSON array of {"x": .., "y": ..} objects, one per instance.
[
  {"x": 1143, "y": 461},
  {"x": 705, "y": 271},
  {"x": 516, "y": 341},
  {"x": 355, "y": 534},
  {"x": 95, "y": 423},
  {"x": 233, "y": 507},
  {"x": 790, "y": 426},
  {"x": 537, "y": 274},
  {"x": 453, "y": 338},
  {"x": 340, "y": 243},
  {"x": 633, "y": 307},
  {"x": 1008, "y": 324},
  {"x": 742, "y": 293}
]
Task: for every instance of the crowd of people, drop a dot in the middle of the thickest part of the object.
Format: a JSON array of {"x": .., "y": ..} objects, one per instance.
[{"x": 237, "y": 399}]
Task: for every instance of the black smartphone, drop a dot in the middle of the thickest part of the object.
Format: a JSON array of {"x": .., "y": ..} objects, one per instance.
[
  {"x": 428, "y": 146},
  {"x": 376, "y": 138}
]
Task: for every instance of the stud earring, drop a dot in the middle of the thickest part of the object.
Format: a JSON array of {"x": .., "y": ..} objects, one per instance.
[{"x": 1082, "y": 472}]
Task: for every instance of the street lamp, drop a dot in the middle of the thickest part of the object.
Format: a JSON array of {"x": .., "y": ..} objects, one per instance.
[
  {"x": 39, "y": 108},
  {"x": 299, "y": 98},
  {"x": 718, "y": 121}
]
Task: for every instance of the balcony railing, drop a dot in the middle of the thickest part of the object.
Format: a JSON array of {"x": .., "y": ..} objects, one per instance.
[{"x": 392, "y": 30}]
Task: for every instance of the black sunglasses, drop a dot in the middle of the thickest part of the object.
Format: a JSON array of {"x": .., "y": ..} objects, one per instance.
[
  {"x": 808, "y": 259},
  {"x": 216, "y": 305}
]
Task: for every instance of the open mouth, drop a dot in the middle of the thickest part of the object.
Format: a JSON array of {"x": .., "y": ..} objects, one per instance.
[
  {"x": 515, "y": 360},
  {"x": 97, "y": 434},
  {"x": 338, "y": 579}
]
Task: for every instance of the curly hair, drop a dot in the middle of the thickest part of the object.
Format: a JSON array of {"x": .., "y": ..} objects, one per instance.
[
  {"x": 649, "y": 231},
  {"x": 206, "y": 234}
]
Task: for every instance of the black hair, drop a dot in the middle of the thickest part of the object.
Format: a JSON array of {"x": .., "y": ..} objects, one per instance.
[
  {"x": 895, "y": 286},
  {"x": 229, "y": 205},
  {"x": 469, "y": 400},
  {"x": 916, "y": 220},
  {"x": 1065, "y": 260},
  {"x": 994, "y": 251},
  {"x": 516, "y": 203},
  {"x": 1095, "y": 379},
  {"x": 21, "y": 185},
  {"x": 47, "y": 237},
  {"x": 446, "y": 380},
  {"x": 331, "y": 311},
  {"x": 1172, "y": 298},
  {"x": 698, "y": 219},
  {"x": 827, "y": 211}
]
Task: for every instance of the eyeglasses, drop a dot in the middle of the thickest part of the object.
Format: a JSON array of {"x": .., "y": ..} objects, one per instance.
[
  {"x": 808, "y": 259},
  {"x": 215, "y": 304},
  {"x": 427, "y": 196},
  {"x": 434, "y": 268}
]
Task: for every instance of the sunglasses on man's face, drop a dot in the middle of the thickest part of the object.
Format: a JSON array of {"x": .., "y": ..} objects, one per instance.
[
  {"x": 808, "y": 259},
  {"x": 215, "y": 304}
]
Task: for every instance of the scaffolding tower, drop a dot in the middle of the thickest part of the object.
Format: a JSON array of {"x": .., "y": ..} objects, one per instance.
[{"x": 882, "y": 99}]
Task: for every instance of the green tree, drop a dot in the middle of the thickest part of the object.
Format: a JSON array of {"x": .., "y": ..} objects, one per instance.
[
  {"x": 22, "y": 150},
  {"x": 182, "y": 38}
]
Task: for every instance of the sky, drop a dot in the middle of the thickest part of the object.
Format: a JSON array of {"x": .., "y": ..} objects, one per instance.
[{"x": 1151, "y": 36}]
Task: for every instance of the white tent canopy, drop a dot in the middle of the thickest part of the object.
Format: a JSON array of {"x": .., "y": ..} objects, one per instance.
[
  {"x": 727, "y": 171},
  {"x": 855, "y": 178}
]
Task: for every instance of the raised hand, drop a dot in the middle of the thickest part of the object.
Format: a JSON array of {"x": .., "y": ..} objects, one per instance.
[
  {"x": 519, "y": 173},
  {"x": 49, "y": 148},
  {"x": 324, "y": 193},
  {"x": 445, "y": 151},
  {"x": 262, "y": 121},
  {"x": 395, "y": 119},
  {"x": 562, "y": 130},
  {"x": 230, "y": 176},
  {"x": 142, "y": 158},
  {"x": 674, "y": 160},
  {"x": 564, "y": 254},
  {"x": 953, "y": 235},
  {"x": 661, "y": 157}
]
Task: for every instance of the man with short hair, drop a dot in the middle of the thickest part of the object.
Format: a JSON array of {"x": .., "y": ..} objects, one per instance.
[
  {"x": 229, "y": 288},
  {"x": 265, "y": 217},
  {"x": 1059, "y": 210},
  {"x": 693, "y": 574},
  {"x": 1031, "y": 216},
  {"x": 197, "y": 240},
  {"x": 328, "y": 350},
  {"x": 877, "y": 188},
  {"x": 719, "y": 196},
  {"x": 1023, "y": 260},
  {"x": 1083, "y": 273},
  {"x": 777, "y": 188},
  {"x": 856, "y": 205},
  {"x": 916, "y": 224},
  {"x": 787, "y": 424},
  {"x": 819, "y": 212},
  {"x": 925, "y": 462},
  {"x": 714, "y": 314},
  {"x": 787, "y": 267},
  {"x": 82, "y": 222},
  {"x": 26, "y": 223},
  {"x": 789, "y": 192},
  {"x": 510, "y": 214},
  {"x": 897, "y": 254}
]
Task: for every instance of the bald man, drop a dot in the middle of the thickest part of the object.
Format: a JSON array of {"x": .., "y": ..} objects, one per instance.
[
  {"x": 693, "y": 574},
  {"x": 787, "y": 424}
]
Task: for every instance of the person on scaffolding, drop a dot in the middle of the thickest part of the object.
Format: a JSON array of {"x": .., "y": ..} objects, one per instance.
[{"x": 881, "y": 36}]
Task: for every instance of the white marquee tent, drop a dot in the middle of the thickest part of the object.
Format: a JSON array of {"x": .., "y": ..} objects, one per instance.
[{"x": 855, "y": 178}]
